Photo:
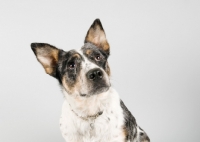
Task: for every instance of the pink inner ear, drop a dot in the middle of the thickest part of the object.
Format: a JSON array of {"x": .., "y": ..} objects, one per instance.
[
  {"x": 45, "y": 61},
  {"x": 97, "y": 37},
  {"x": 96, "y": 40}
]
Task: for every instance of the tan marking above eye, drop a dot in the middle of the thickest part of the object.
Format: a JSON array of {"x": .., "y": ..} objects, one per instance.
[
  {"x": 76, "y": 55},
  {"x": 88, "y": 51}
]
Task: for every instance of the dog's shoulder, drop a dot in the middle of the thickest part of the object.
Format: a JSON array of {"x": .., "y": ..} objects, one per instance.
[
  {"x": 132, "y": 130},
  {"x": 130, "y": 124}
]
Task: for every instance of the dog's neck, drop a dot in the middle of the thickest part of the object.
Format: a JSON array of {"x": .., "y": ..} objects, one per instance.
[
  {"x": 89, "y": 117},
  {"x": 88, "y": 107}
]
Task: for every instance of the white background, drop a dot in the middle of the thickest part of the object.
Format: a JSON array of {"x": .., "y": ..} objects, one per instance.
[{"x": 155, "y": 64}]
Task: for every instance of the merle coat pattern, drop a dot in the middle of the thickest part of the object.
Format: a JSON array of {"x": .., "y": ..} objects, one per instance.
[{"x": 92, "y": 110}]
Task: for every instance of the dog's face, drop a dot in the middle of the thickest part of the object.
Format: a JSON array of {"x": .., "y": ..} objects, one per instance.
[{"x": 83, "y": 72}]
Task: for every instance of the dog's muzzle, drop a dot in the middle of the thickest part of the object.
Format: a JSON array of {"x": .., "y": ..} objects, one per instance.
[
  {"x": 97, "y": 81},
  {"x": 95, "y": 74}
]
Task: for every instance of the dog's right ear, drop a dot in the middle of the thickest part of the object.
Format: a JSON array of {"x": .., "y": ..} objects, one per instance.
[
  {"x": 47, "y": 55},
  {"x": 97, "y": 36}
]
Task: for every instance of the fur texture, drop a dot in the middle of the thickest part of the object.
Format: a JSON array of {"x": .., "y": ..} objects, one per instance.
[{"x": 92, "y": 110}]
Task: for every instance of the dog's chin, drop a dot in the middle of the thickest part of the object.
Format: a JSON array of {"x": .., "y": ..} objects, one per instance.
[
  {"x": 95, "y": 91},
  {"x": 98, "y": 90}
]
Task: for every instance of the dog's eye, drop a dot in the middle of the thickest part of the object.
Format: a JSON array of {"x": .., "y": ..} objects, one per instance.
[
  {"x": 71, "y": 65},
  {"x": 97, "y": 57}
]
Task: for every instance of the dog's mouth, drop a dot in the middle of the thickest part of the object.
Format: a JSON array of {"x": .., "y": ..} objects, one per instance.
[
  {"x": 83, "y": 95},
  {"x": 95, "y": 91},
  {"x": 99, "y": 89}
]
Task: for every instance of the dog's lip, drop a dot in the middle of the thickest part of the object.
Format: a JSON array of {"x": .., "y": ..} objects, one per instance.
[
  {"x": 101, "y": 86},
  {"x": 83, "y": 95},
  {"x": 101, "y": 89}
]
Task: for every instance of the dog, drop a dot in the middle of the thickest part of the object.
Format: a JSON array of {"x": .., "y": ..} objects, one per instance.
[{"x": 92, "y": 110}]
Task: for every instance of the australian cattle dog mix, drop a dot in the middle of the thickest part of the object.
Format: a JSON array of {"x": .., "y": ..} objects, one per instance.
[{"x": 92, "y": 110}]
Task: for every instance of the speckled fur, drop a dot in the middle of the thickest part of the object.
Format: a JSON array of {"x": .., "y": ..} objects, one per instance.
[
  {"x": 108, "y": 127},
  {"x": 84, "y": 96}
]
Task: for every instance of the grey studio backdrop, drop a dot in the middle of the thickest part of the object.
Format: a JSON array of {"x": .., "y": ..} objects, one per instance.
[{"x": 155, "y": 64}]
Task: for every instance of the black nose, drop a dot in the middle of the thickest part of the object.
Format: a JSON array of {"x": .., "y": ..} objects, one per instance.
[{"x": 95, "y": 74}]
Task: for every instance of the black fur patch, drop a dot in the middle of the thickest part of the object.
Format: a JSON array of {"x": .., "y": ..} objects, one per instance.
[
  {"x": 130, "y": 125},
  {"x": 65, "y": 60},
  {"x": 143, "y": 136}
]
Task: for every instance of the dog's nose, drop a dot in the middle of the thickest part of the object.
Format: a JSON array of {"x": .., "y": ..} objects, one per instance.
[{"x": 95, "y": 74}]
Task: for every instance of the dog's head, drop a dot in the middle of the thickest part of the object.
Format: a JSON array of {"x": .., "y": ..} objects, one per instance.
[{"x": 83, "y": 72}]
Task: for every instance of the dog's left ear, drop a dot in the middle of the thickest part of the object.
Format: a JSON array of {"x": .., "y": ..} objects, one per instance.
[
  {"x": 47, "y": 55},
  {"x": 97, "y": 36}
]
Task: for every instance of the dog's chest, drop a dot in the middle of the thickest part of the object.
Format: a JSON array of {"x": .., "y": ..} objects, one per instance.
[{"x": 106, "y": 128}]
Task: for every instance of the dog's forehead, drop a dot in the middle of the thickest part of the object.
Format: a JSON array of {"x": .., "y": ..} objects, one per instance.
[
  {"x": 87, "y": 46},
  {"x": 81, "y": 53},
  {"x": 86, "y": 50},
  {"x": 87, "y": 54}
]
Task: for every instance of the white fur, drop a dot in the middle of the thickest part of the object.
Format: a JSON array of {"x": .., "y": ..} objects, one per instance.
[{"x": 75, "y": 129}]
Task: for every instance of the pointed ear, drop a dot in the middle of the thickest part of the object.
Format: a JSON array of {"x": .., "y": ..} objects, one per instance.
[
  {"x": 47, "y": 55},
  {"x": 97, "y": 36}
]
